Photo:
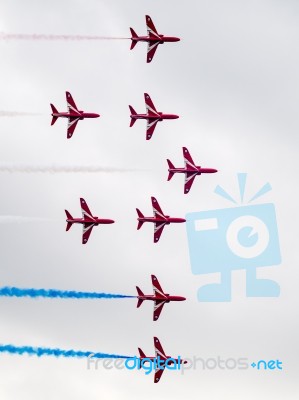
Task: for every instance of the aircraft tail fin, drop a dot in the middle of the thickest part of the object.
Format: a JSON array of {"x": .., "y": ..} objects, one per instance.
[
  {"x": 69, "y": 224},
  {"x": 134, "y": 36},
  {"x": 140, "y": 301},
  {"x": 54, "y": 119},
  {"x": 140, "y": 215},
  {"x": 170, "y": 166},
  {"x": 54, "y": 111},
  {"x": 140, "y": 293},
  {"x": 140, "y": 223},
  {"x": 141, "y": 353},
  {"x": 133, "y": 112}
]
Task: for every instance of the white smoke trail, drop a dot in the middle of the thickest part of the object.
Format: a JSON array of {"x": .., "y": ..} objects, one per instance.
[
  {"x": 17, "y": 219},
  {"x": 35, "y": 36},
  {"x": 17, "y": 114},
  {"x": 58, "y": 169}
]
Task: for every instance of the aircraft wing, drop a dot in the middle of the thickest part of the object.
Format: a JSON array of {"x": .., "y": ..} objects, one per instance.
[
  {"x": 149, "y": 105},
  {"x": 153, "y": 34},
  {"x": 159, "y": 226},
  {"x": 150, "y": 127},
  {"x": 151, "y": 29},
  {"x": 158, "y": 374},
  {"x": 71, "y": 105},
  {"x": 72, "y": 123},
  {"x": 158, "y": 307},
  {"x": 157, "y": 210},
  {"x": 189, "y": 163},
  {"x": 189, "y": 179},
  {"x": 86, "y": 214},
  {"x": 151, "y": 50},
  {"x": 159, "y": 349},
  {"x": 87, "y": 229},
  {"x": 159, "y": 352},
  {"x": 158, "y": 291}
]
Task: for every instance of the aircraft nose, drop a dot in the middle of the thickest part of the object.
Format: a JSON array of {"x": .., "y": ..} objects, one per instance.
[{"x": 96, "y": 115}]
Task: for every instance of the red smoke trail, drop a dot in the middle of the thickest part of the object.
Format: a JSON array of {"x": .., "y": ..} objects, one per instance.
[{"x": 36, "y": 36}]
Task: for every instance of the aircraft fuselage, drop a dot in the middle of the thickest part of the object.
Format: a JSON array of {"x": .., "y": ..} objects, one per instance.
[
  {"x": 167, "y": 220},
  {"x": 157, "y": 298},
  {"x": 82, "y": 115},
  {"x": 96, "y": 221},
  {"x": 159, "y": 116},
  {"x": 170, "y": 362},
  {"x": 163, "y": 39},
  {"x": 192, "y": 171}
]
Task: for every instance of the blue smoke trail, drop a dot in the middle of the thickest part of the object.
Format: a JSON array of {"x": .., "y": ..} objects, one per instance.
[
  {"x": 44, "y": 351},
  {"x": 53, "y": 293}
]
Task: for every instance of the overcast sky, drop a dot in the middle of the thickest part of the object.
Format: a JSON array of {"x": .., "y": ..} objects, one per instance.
[{"x": 233, "y": 79}]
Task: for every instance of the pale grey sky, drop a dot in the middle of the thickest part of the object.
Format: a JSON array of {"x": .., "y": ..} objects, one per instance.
[{"x": 233, "y": 79}]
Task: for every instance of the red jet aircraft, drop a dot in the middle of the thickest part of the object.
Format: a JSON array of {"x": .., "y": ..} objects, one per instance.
[
  {"x": 159, "y": 219},
  {"x": 190, "y": 170},
  {"x": 159, "y": 297},
  {"x": 153, "y": 39},
  {"x": 152, "y": 116},
  {"x": 73, "y": 115},
  {"x": 88, "y": 221},
  {"x": 159, "y": 352}
]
